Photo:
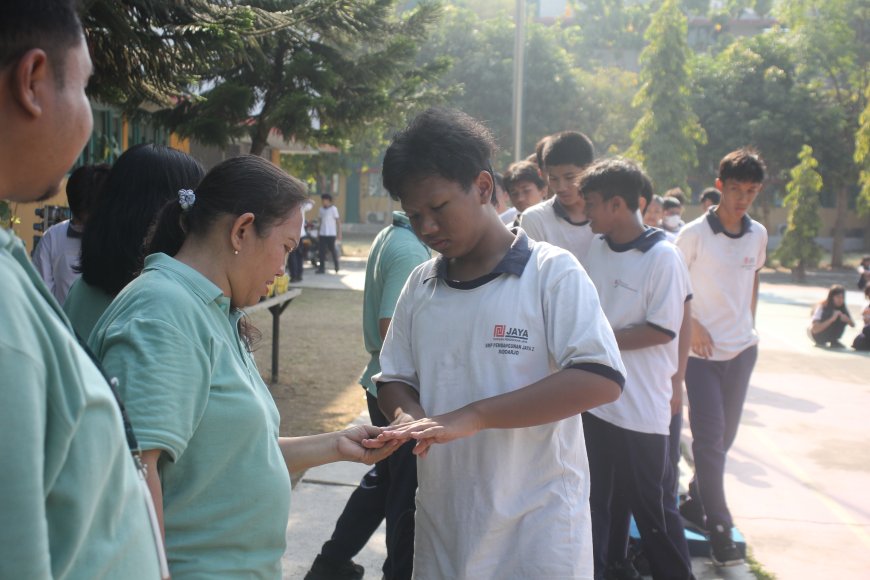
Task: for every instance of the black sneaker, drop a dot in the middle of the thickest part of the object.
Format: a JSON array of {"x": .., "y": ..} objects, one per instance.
[
  {"x": 622, "y": 571},
  {"x": 723, "y": 551},
  {"x": 325, "y": 568},
  {"x": 693, "y": 515}
]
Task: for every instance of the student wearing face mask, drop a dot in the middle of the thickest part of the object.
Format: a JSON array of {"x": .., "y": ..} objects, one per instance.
[{"x": 672, "y": 216}]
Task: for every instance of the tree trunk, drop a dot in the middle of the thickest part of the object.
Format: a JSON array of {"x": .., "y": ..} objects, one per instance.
[
  {"x": 840, "y": 227},
  {"x": 257, "y": 146},
  {"x": 799, "y": 272}
]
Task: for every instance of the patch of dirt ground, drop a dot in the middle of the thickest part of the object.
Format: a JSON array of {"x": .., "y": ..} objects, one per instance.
[{"x": 321, "y": 358}]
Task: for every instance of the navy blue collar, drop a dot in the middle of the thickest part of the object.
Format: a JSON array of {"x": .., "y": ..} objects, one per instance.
[
  {"x": 644, "y": 242},
  {"x": 716, "y": 224},
  {"x": 514, "y": 262},
  {"x": 563, "y": 213}
]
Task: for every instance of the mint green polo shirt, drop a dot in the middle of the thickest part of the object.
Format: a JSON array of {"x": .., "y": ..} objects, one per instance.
[
  {"x": 192, "y": 390},
  {"x": 394, "y": 254},
  {"x": 84, "y": 305},
  {"x": 71, "y": 505}
]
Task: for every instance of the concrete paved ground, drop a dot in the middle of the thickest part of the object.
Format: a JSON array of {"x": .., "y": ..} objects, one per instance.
[{"x": 798, "y": 476}]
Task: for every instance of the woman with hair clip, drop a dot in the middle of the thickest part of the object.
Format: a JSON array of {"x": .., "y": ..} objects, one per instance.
[
  {"x": 177, "y": 340},
  {"x": 830, "y": 318},
  {"x": 143, "y": 178}
]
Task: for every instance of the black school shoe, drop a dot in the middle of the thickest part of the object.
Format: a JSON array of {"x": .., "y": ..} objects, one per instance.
[
  {"x": 723, "y": 551},
  {"x": 325, "y": 568},
  {"x": 624, "y": 570},
  {"x": 693, "y": 515}
]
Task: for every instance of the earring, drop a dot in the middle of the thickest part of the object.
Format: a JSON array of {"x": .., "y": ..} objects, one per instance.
[{"x": 236, "y": 252}]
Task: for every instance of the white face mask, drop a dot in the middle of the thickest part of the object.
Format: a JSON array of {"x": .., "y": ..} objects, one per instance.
[{"x": 671, "y": 222}]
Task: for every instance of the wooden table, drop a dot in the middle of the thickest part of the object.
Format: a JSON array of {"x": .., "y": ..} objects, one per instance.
[{"x": 276, "y": 306}]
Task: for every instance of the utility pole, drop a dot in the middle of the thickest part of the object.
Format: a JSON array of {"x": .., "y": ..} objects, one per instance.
[{"x": 519, "y": 59}]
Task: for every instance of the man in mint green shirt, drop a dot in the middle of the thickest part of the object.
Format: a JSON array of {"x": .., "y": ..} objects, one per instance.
[
  {"x": 388, "y": 489},
  {"x": 71, "y": 502}
]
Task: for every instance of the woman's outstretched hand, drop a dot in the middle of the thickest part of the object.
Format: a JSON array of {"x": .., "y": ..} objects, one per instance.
[{"x": 360, "y": 443}]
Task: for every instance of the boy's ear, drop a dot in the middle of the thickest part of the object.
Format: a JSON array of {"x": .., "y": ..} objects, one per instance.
[
  {"x": 719, "y": 185},
  {"x": 485, "y": 185}
]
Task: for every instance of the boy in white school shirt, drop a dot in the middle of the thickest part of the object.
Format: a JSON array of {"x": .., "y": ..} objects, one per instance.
[
  {"x": 724, "y": 249},
  {"x": 643, "y": 286},
  {"x": 561, "y": 220},
  {"x": 494, "y": 349}
]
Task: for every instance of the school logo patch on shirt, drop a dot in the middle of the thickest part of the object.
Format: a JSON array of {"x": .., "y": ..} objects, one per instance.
[
  {"x": 749, "y": 263},
  {"x": 509, "y": 340}
]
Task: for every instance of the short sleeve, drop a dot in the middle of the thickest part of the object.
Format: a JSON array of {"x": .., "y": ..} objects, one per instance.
[
  {"x": 42, "y": 261},
  {"x": 687, "y": 242},
  {"x": 817, "y": 314},
  {"x": 532, "y": 224},
  {"x": 24, "y": 549},
  {"x": 397, "y": 356},
  {"x": 667, "y": 293},
  {"x": 578, "y": 334},
  {"x": 762, "y": 250},
  {"x": 396, "y": 266},
  {"x": 164, "y": 380}
]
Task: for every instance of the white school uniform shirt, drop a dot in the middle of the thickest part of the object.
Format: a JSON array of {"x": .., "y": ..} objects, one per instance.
[
  {"x": 328, "y": 221},
  {"x": 548, "y": 222},
  {"x": 642, "y": 282},
  {"x": 722, "y": 269},
  {"x": 504, "y": 503},
  {"x": 508, "y": 216},
  {"x": 56, "y": 256}
]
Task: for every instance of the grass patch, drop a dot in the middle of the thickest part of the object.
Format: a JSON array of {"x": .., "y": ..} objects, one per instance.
[
  {"x": 756, "y": 568},
  {"x": 321, "y": 358}
]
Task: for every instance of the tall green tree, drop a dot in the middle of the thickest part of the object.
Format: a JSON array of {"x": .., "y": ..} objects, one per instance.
[
  {"x": 333, "y": 79},
  {"x": 751, "y": 94},
  {"x": 833, "y": 37},
  {"x": 862, "y": 157},
  {"x": 798, "y": 249},
  {"x": 668, "y": 133},
  {"x": 152, "y": 52},
  {"x": 558, "y": 95}
]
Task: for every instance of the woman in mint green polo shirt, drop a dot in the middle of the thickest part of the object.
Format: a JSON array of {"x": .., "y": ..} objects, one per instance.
[
  {"x": 140, "y": 182},
  {"x": 176, "y": 339}
]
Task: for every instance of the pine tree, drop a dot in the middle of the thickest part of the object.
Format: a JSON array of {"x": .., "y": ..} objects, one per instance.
[
  {"x": 798, "y": 249},
  {"x": 666, "y": 137},
  {"x": 338, "y": 78}
]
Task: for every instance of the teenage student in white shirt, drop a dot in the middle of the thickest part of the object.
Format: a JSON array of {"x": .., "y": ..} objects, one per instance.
[
  {"x": 561, "y": 220},
  {"x": 643, "y": 286},
  {"x": 329, "y": 233},
  {"x": 493, "y": 351},
  {"x": 525, "y": 186},
  {"x": 724, "y": 250},
  {"x": 56, "y": 257}
]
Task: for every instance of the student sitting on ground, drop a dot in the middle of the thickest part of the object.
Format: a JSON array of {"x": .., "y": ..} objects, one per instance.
[
  {"x": 830, "y": 318},
  {"x": 862, "y": 341},
  {"x": 501, "y": 343}
]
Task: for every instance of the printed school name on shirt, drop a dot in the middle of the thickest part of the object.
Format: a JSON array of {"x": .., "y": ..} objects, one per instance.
[{"x": 509, "y": 340}]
